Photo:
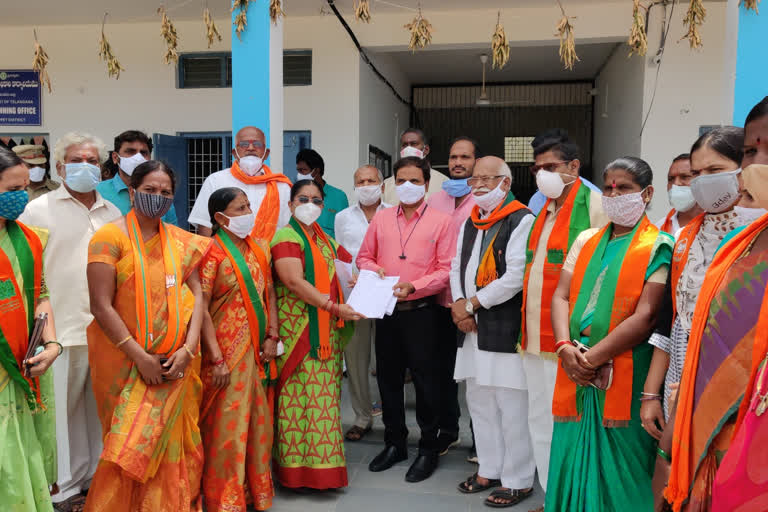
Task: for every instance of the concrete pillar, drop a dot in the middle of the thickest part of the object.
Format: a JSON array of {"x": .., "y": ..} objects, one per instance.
[{"x": 751, "y": 63}]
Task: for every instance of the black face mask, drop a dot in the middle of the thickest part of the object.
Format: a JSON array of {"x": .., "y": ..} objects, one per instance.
[{"x": 153, "y": 206}]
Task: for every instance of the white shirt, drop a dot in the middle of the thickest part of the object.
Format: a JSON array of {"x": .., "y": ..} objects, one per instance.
[
  {"x": 495, "y": 369},
  {"x": 70, "y": 226},
  {"x": 256, "y": 193},
  {"x": 350, "y": 226}
]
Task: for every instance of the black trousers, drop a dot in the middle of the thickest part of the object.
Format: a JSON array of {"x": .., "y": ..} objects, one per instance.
[
  {"x": 408, "y": 339},
  {"x": 449, "y": 389}
]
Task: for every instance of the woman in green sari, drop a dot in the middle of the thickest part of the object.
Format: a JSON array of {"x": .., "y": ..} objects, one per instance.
[
  {"x": 27, "y": 416},
  {"x": 309, "y": 444},
  {"x": 609, "y": 293}
]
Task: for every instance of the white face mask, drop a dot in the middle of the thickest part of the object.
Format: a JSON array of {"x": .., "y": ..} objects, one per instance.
[
  {"x": 251, "y": 165},
  {"x": 408, "y": 193},
  {"x": 242, "y": 225},
  {"x": 411, "y": 151},
  {"x": 128, "y": 164},
  {"x": 303, "y": 177},
  {"x": 550, "y": 183},
  {"x": 625, "y": 210},
  {"x": 681, "y": 198},
  {"x": 490, "y": 200},
  {"x": 749, "y": 214},
  {"x": 368, "y": 195},
  {"x": 307, "y": 213},
  {"x": 36, "y": 174},
  {"x": 715, "y": 193}
]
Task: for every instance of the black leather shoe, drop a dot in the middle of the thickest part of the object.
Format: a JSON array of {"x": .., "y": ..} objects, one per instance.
[
  {"x": 388, "y": 457},
  {"x": 422, "y": 468}
]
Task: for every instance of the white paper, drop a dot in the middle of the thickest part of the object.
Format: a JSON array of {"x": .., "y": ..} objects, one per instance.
[
  {"x": 346, "y": 271},
  {"x": 373, "y": 297}
]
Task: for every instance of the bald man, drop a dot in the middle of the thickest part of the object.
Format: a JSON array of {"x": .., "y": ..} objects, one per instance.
[
  {"x": 268, "y": 192},
  {"x": 350, "y": 226}
]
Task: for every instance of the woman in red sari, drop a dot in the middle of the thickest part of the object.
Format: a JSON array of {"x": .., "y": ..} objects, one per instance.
[{"x": 240, "y": 341}]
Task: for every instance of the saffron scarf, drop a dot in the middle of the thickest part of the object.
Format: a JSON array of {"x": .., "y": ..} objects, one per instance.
[
  {"x": 572, "y": 219},
  {"x": 174, "y": 279},
  {"x": 18, "y": 320},
  {"x": 680, "y": 256},
  {"x": 618, "y": 297},
  {"x": 667, "y": 225},
  {"x": 269, "y": 211},
  {"x": 317, "y": 274},
  {"x": 256, "y": 310},
  {"x": 486, "y": 271},
  {"x": 684, "y": 460}
]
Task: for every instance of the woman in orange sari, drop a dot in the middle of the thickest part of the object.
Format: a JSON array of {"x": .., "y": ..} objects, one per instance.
[
  {"x": 148, "y": 308},
  {"x": 240, "y": 342}
]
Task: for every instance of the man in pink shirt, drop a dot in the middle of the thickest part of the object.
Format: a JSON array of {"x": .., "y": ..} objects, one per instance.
[
  {"x": 456, "y": 200},
  {"x": 415, "y": 242}
]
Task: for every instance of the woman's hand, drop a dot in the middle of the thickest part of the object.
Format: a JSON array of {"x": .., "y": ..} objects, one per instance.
[
  {"x": 576, "y": 366},
  {"x": 347, "y": 313},
  {"x": 150, "y": 369},
  {"x": 221, "y": 375},
  {"x": 43, "y": 360},
  {"x": 651, "y": 412},
  {"x": 659, "y": 483},
  {"x": 177, "y": 363},
  {"x": 269, "y": 350}
]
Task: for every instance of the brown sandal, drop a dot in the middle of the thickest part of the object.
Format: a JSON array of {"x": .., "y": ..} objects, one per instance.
[
  {"x": 74, "y": 504},
  {"x": 511, "y": 497},
  {"x": 356, "y": 433}
]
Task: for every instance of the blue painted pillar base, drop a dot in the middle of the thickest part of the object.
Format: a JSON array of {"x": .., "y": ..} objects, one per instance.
[{"x": 751, "y": 63}]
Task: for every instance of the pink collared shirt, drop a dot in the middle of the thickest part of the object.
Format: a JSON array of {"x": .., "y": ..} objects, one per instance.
[{"x": 428, "y": 243}]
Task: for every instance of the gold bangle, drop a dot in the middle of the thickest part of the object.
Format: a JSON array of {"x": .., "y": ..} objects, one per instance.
[
  {"x": 188, "y": 351},
  {"x": 123, "y": 341}
]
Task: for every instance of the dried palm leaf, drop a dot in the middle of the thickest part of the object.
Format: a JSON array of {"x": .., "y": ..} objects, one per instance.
[
  {"x": 694, "y": 18},
  {"x": 241, "y": 20},
  {"x": 168, "y": 31},
  {"x": 275, "y": 10},
  {"x": 211, "y": 32},
  {"x": 567, "y": 41},
  {"x": 40, "y": 62},
  {"x": 638, "y": 37},
  {"x": 363, "y": 10},
  {"x": 105, "y": 52},
  {"x": 421, "y": 32},
  {"x": 750, "y": 4},
  {"x": 499, "y": 46}
]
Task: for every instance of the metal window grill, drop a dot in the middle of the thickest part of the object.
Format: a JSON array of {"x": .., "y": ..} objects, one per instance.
[
  {"x": 518, "y": 149},
  {"x": 206, "y": 155}
]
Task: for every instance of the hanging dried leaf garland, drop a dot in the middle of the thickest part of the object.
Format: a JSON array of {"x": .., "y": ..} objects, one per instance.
[
  {"x": 499, "y": 45},
  {"x": 363, "y": 10},
  {"x": 40, "y": 62},
  {"x": 567, "y": 42},
  {"x": 105, "y": 53},
  {"x": 638, "y": 37},
  {"x": 421, "y": 32},
  {"x": 211, "y": 32},
  {"x": 241, "y": 20},
  {"x": 694, "y": 18},
  {"x": 275, "y": 10},
  {"x": 750, "y": 4},
  {"x": 168, "y": 31}
]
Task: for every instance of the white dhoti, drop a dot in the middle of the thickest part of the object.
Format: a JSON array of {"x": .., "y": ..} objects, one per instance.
[
  {"x": 541, "y": 374},
  {"x": 78, "y": 430}
]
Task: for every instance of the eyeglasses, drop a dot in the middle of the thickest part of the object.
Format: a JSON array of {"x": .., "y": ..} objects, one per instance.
[
  {"x": 551, "y": 166},
  {"x": 485, "y": 180},
  {"x": 315, "y": 200},
  {"x": 245, "y": 144}
]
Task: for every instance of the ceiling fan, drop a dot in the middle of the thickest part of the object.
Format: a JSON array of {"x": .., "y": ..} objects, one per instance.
[{"x": 484, "y": 101}]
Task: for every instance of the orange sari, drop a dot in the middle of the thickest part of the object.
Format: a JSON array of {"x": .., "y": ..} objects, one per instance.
[{"x": 153, "y": 456}]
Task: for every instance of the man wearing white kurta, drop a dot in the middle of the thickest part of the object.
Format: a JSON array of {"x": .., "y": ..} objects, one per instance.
[
  {"x": 490, "y": 317},
  {"x": 71, "y": 217}
]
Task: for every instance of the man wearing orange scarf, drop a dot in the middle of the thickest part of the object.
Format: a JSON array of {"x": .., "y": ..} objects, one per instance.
[{"x": 268, "y": 192}]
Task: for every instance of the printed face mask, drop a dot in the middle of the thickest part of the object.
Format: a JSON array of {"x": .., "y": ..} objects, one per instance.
[
  {"x": 681, "y": 198},
  {"x": 749, "y": 214},
  {"x": 408, "y": 193},
  {"x": 489, "y": 201},
  {"x": 457, "y": 187},
  {"x": 411, "y": 151},
  {"x": 716, "y": 193},
  {"x": 625, "y": 210},
  {"x": 129, "y": 164},
  {"x": 153, "y": 206},
  {"x": 368, "y": 195},
  {"x": 307, "y": 213},
  {"x": 12, "y": 203},
  {"x": 242, "y": 225},
  {"x": 82, "y": 177},
  {"x": 36, "y": 174}
]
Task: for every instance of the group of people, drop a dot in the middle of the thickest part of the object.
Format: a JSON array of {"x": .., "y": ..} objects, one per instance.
[{"x": 622, "y": 361}]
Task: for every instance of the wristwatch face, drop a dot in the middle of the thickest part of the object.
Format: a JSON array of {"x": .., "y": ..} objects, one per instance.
[{"x": 470, "y": 309}]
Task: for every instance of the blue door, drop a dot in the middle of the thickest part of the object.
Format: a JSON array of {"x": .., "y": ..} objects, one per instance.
[
  {"x": 293, "y": 142},
  {"x": 173, "y": 150}
]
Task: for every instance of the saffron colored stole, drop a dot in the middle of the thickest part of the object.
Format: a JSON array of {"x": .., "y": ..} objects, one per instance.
[
  {"x": 18, "y": 320},
  {"x": 572, "y": 219},
  {"x": 257, "y": 312},
  {"x": 269, "y": 211},
  {"x": 317, "y": 274},
  {"x": 680, "y": 255},
  {"x": 618, "y": 297},
  {"x": 684, "y": 460},
  {"x": 174, "y": 279}
]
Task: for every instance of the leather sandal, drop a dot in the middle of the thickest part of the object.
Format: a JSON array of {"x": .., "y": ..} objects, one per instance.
[
  {"x": 472, "y": 486},
  {"x": 356, "y": 433},
  {"x": 511, "y": 497}
]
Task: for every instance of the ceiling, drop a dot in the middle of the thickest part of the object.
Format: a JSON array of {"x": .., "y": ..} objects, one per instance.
[{"x": 526, "y": 64}]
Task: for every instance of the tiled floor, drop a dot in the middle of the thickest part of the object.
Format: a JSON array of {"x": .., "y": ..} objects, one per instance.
[{"x": 388, "y": 491}]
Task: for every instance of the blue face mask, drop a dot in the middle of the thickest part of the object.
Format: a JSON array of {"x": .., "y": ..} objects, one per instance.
[
  {"x": 82, "y": 177},
  {"x": 457, "y": 188},
  {"x": 12, "y": 203}
]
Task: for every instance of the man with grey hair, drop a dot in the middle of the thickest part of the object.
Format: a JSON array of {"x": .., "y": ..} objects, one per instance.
[
  {"x": 486, "y": 283},
  {"x": 350, "y": 227},
  {"x": 71, "y": 214}
]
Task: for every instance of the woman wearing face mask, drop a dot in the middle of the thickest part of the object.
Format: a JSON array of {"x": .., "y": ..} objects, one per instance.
[
  {"x": 609, "y": 293},
  {"x": 311, "y": 316},
  {"x": 27, "y": 428},
  {"x": 240, "y": 344},
  {"x": 148, "y": 309},
  {"x": 719, "y": 420}
]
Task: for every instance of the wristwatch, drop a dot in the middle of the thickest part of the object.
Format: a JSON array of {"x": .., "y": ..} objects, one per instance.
[{"x": 469, "y": 307}]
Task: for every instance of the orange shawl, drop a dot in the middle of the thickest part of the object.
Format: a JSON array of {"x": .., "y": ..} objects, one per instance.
[
  {"x": 269, "y": 211},
  {"x": 667, "y": 225}
]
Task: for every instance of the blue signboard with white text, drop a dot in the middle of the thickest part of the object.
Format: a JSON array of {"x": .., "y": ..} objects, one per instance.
[{"x": 20, "y": 98}]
